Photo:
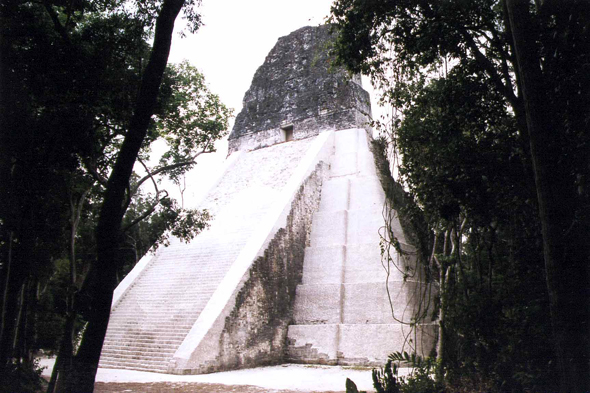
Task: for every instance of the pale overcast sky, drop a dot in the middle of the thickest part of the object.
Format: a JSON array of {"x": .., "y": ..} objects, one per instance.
[{"x": 236, "y": 37}]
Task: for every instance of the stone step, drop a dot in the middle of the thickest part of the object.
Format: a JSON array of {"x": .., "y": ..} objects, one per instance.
[
  {"x": 363, "y": 264},
  {"x": 186, "y": 265},
  {"x": 121, "y": 314},
  {"x": 312, "y": 344},
  {"x": 154, "y": 314},
  {"x": 159, "y": 310},
  {"x": 160, "y": 363},
  {"x": 148, "y": 347},
  {"x": 136, "y": 353},
  {"x": 149, "y": 319},
  {"x": 344, "y": 161},
  {"x": 156, "y": 298},
  {"x": 155, "y": 339},
  {"x": 353, "y": 344},
  {"x": 195, "y": 289},
  {"x": 347, "y": 227},
  {"x": 363, "y": 302},
  {"x": 145, "y": 341},
  {"x": 135, "y": 364},
  {"x": 329, "y": 228},
  {"x": 173, "y": 333},
  {"x": 344, "y": 164},
  {"x": 366, "y": 193},
  {"x": 370, "y": 303},
  {"x": 365, "y": 159},
  {"x": 146, "y": 330},
  {"x": 355, "y": 263},
  {"x": 323, "y": 264},
  {"x": 155, "y": 287},
  {"x": 133, "y": 299},
  {"x": 163, "y": 315},
  {"x": 380, "y": 340},
  {"x": 347, "y": 141},
  {"x": 161, "y": 341},
  {"x": 132, "y": 357},
  {"x": 184, "y": 280},
  {"x": 365, "y": 226},
  {"x": 151, "y": 324},
  {"x": 335, "y": 195},
  {"x": 123, "y": 366},
  {"x": 153, "y": 298},
  {"x": 317, "y": 304}
]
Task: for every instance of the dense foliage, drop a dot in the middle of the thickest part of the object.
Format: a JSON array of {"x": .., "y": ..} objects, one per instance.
[
  {"x": 490, "y": 137},
  {"x": 75, "y": 77}
]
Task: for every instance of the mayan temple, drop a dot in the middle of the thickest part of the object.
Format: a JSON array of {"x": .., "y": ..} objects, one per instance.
[{"x": 290, "y": 269}]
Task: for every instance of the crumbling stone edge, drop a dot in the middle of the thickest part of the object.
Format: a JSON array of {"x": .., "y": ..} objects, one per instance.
[{"x": 255, "y": 333}]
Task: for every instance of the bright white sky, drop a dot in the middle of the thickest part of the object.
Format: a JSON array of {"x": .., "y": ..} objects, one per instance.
[
  {"x": 228, "y": 49},
  {"x": 236, "y": 37}
]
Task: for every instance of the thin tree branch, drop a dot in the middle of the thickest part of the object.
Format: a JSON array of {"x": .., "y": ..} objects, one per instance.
[
  {"x": 149, "y": 174},
  {"x": 169, "y": 168},
  {"x": 144, "y": 215},
  {"x": 131, "y": 193},
  {"x": 90, "y": 167},
  {"x": 489, "y": 67}
]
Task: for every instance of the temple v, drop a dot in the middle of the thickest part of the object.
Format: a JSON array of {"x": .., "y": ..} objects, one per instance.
[{"x": 290, "y": 269}]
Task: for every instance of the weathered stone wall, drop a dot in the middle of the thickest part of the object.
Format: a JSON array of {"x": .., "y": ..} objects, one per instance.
[
  {"x": 255, "y": 332},
  {"x": 299, "y": 86},
  {"x": 302, "y": 128}
]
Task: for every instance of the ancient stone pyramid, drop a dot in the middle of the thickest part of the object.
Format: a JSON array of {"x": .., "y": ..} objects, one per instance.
[{"x": 290, "y": 269}]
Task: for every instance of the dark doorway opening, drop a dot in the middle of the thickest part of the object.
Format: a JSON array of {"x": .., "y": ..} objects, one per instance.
[{"x": 287, "y": 132}]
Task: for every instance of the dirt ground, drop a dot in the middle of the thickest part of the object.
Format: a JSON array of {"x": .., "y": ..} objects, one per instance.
[
  {"x": 185, "y": 387},
  {"x": 286, "y": 378}
]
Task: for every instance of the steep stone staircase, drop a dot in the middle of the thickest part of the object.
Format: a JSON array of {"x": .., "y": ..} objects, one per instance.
[
  {"x": 156, "y": 313},
  {"x": 342, "y": 311}
]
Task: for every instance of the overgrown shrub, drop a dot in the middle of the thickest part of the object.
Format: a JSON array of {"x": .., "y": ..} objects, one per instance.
[
  {"x": 21, "y": 378},
  {"x": 387, "y": 380}
]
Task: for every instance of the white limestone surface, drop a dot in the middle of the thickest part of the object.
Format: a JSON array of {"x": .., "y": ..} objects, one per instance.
[
  {"x": 201, "y": 345},
  {"x": 297, "y": 377},
  {"x": 148, "y": 258},
  {"x": 155, "y": 311}
]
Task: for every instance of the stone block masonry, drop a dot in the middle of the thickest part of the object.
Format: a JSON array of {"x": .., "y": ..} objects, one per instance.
[
  {"x": 348, "y": 311},
  {"x": 298, "y": 92}
]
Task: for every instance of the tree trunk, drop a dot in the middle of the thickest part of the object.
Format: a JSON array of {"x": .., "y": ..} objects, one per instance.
[
  {"x": 441, "y": 359},
  {"x": 5, "y": 312},
  {"x": 63, "y": 361},
  {"x": 111, "y": 214},
  {"x": 566, "y": 251},
  {"x": 18, "y": 329}
]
